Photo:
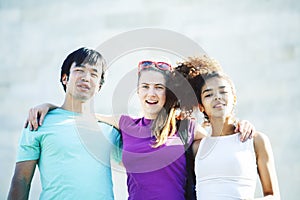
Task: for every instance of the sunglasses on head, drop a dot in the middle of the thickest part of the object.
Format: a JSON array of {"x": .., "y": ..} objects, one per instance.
[{"x": 159, "y": 65}]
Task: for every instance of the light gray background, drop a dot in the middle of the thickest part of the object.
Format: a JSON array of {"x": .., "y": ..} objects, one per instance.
[{"x": 256, "y": 41}]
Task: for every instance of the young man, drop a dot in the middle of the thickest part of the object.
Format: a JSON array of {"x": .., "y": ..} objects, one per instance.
[{"x": 71, "y": 149}]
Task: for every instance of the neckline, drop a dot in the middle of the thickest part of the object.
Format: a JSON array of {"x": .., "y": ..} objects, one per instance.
[
  {"x": 146, "y": 121},
  {"x": 223, "y": 136},
  {"x": 67, "y": 111}
]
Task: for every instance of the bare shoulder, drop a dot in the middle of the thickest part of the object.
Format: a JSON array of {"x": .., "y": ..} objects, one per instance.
[
  {"x": 260, "y": 138},
  {"x": 199, "y": 132},
  {"x": 195, "y": 146},
  {"x": 262, "y": 145}
]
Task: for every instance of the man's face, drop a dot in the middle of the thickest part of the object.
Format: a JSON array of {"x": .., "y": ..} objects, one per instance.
[{"x": 84, "y": 81}]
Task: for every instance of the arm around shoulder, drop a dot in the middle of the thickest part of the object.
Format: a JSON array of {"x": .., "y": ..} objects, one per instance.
[
  {"x": 266, "y": 166},
  {"x": 199, "y": 132},
  {"x": 109, "y": 119}
]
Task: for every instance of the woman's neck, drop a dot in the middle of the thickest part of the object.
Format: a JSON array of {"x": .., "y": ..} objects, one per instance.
[
  {"x": 150, "y": 116},
  {"x": 221, "y": 127}
]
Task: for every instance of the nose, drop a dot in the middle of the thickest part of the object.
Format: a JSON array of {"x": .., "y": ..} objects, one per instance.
[
  {"x": 217, "y": 96},
  {"x": 86, "y": 77},
  {"x": 151, "y": 91}
]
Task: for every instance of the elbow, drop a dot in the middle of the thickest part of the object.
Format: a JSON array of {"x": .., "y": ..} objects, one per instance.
[{"x": 272, "y": 195}]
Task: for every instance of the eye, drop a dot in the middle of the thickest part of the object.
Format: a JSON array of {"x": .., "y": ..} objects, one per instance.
[
  {"x": 144, "y": 86},
  {"x": 160, "y": 87},
  {"x": 78, "y": 70},
  {"x": 224, "y": 92},
  {"x": 208, "y": 95},
  {"x": 94, "y": 75}
]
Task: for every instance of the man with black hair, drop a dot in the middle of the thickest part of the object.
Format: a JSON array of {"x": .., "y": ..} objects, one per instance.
[{"x": 71, "y": 149}]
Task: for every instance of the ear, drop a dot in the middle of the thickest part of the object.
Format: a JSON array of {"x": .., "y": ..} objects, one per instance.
[
  {"x": 201, "y": 108},
  {"x": 99, "y": 85},
  {"x": 64, "y": 79},
  {"x": 234, "y": 100}
]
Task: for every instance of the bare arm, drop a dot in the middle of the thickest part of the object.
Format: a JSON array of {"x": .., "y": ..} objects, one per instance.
[
  {"x": 20, "y": 184},
  {"x": 195, "y": 147},
  {"x": 37, "y": 114},
  {"x": 199, "y": 132},
  {"x": 266, "y": 166},
  {"x": 112, "y": 120}
]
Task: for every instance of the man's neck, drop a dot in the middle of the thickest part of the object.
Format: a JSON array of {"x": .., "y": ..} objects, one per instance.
[{"x": 79, "y": 106}]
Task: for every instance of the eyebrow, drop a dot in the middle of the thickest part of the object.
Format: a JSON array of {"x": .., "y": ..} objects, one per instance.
[
  {"x": 83, "y": 66},
  {"x": 208, "y": 90},
  {"x": 156, "y": 84}
]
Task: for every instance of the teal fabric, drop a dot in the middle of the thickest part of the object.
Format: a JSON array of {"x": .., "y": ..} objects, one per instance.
[{"x": 73, "y": 156}]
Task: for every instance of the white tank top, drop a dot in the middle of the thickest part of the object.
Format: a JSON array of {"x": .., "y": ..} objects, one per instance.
[{"x": 225, "y": 168}]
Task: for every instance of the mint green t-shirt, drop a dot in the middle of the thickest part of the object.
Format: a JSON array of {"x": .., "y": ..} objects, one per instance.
[{"x": 73, "y": 156}]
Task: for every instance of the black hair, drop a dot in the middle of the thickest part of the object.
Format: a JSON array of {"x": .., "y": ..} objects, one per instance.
[
  {"x": 192, "y": 71},
  {"x": 82, "y": 56}
]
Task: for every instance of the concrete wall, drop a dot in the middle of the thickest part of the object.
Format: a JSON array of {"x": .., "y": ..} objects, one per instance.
[{"x": 257, "y": 43}]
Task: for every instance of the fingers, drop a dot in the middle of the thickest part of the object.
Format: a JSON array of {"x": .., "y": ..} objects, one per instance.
[
  {"x": 246, "y": 129},
  {"x": 236, "y": 129},
  {"x": 42, "y": 117},
  {"x": 26, "y": 124},
  {"x": 41, "y": 120},
  {"x": 32, "y": 119},
  {"x": 246, "y": 134}
]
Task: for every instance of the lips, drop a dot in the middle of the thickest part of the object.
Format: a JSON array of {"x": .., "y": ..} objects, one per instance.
[
  {"x": 219, "y": 105},
  {"x": 83, "y": 86},
  {"x": 151, "y": 102}
]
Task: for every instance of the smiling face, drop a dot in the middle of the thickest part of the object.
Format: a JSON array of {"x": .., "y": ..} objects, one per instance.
[
  {"x": 151, "y": 92},
  {"x": 83, "y": 81},
  {"x": 218, "y": 98}
]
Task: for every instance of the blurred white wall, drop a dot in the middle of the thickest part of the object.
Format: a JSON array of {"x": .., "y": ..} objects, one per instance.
[{"x": 257, "y": 43}]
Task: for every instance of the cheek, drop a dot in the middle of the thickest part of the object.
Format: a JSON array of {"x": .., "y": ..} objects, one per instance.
[
  {"x": 206, "y": 103},
  {"x": 139, "y": 91},
  {"x": 230, "y": 100},
  {"x": 140, "y": 94},
  {"x": 163, "y": 97},
  {"x": 96, "y": 81}
]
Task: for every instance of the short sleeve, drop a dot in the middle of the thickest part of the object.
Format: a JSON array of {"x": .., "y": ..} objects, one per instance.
[
  {"x": 115, "y": 138},
  {"x": 122, "y": 121},
  {"x": 29, "y": 146},
  {"x": 118, "y": 144}
]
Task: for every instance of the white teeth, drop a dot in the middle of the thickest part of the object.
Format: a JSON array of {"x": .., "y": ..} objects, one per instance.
[{"x": 151, "y": 102}]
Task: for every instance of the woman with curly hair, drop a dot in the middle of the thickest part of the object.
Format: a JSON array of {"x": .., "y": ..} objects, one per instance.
[{"x": 226, "y": 168}]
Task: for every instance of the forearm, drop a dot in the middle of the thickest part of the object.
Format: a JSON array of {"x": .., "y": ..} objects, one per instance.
[
  {"x": 112, "y": 120},
  {"x": 21, "y": 181},
  {"x": 19, "y": 190}
]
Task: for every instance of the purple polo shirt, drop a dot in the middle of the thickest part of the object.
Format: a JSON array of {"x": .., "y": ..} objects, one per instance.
[{"x": 152, "y": 173}]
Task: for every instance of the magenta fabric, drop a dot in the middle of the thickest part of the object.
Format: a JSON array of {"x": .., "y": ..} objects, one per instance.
[{"x": 152, "y": 173}]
